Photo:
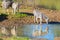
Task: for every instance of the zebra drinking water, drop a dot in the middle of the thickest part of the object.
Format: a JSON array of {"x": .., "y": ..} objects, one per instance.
[{"x": 40, "y": 15}]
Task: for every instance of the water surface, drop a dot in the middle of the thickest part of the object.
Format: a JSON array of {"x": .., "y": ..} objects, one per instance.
[{"x": 53, "y": 31}]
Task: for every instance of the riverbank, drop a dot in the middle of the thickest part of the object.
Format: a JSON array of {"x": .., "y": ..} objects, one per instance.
[
  {"x": 29, "y": 19},
  {"x": 53, "y": 16}
]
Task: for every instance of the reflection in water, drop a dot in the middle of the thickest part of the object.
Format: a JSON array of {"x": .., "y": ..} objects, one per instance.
[
  {"x": 29, "y": 29},
  {"x": 40, "y": 32},
  {"x": 53, "y": 30}
]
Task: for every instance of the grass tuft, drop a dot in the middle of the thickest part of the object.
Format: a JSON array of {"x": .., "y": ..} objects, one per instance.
[
  {"x": 17, "y": 15},
  {"x": 17, "y": 38}
]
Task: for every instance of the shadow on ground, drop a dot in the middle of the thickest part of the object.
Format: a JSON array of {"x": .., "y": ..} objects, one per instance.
[
  {"x": 54, "y": 22},
  {"x": 29, "y": 14},
  {"x": 3, "y": 17},
  {"x": 42, "y": 6},
  {"x": 1, "y": 39}
]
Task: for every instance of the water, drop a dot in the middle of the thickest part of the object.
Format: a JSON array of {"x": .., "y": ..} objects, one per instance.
[{"x": 53, "y": 30}]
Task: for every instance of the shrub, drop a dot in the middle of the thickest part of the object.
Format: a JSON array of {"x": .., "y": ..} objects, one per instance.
[{"x": 17, "y": 15}]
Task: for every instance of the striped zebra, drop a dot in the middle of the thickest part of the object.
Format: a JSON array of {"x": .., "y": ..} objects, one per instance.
[
  {"x": 10, "y": 3},
  {"x": 40, "y": 15}
]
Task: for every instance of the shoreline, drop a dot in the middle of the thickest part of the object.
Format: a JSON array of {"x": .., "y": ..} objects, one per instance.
[{"x": 21, "y": 21}]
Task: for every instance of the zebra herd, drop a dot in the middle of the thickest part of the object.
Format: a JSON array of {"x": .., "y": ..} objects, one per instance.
[
  {"x": 15, "y": 6},
  {"x": 10, "y": 3}
]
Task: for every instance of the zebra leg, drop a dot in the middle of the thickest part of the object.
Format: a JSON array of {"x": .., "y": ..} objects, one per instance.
[
  {"x": 14, "y": 10},
  {"x": 4, "y": 10},
  {"x": 40, "y": 20},
  {"x": 17, "y": 9},
  {"x": 7, "y": 11},
  {"x": 34, "y": 19},
  {"x": 47, "y": 21}
]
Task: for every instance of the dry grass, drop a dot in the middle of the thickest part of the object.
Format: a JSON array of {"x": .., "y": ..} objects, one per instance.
[{"x": 57, "y": 38}]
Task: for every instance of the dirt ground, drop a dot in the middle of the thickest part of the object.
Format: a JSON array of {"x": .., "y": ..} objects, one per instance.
[
  {"x": 54, "y": 16},
  {"x": 57, "y": 38},
  {"x": 17, "y": 22}
]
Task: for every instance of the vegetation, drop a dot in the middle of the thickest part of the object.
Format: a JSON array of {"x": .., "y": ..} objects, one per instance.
[
  {"x": 57, "y": 33},
  {"x": 51, "y": 4},
  {"x": 20, "y": 15},
  {"x": 17, "y": 38}
]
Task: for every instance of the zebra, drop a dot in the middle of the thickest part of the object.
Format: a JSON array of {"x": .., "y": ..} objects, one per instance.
[
  {"x": 6, "y": 4},
  {"x": 15, "y": 7},
  {"x": 40, "y": 15}
]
